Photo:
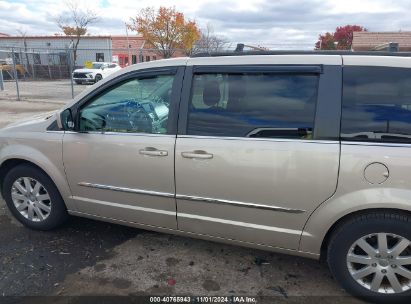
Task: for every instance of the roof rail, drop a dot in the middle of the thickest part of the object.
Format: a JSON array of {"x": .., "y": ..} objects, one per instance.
[{"x": 294, "y": 52}]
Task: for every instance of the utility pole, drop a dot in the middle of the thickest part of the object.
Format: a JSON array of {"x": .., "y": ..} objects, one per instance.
[
  {"x": 1, "y": 79},
  {"x": 15, "y": 73},
  {"x": 128, "y": 45},
  {"x": 70, "y": 64}
]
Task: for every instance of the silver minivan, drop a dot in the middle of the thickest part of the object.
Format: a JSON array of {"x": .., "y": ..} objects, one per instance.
[{"x": 299, "y": 153}]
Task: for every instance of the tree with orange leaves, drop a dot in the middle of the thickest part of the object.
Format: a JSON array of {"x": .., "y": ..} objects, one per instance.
[
  {"x": 166, "y": 30},
  {"x": 341, "y": 39}
]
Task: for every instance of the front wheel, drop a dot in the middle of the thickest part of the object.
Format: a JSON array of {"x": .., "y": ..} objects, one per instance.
[
  {"x": 33, "y": 198},
  {"x": 98, "y": 77},
  {"x": 370, "y": 256}
]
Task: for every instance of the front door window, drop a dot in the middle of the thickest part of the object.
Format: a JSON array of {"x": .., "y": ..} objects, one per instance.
[{"x": 135, "y": 106}]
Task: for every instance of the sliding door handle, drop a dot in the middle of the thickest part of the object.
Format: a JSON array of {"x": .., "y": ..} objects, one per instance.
[
  {"x": 200, "y": 154},
  {"x": 150, "y": 151}
]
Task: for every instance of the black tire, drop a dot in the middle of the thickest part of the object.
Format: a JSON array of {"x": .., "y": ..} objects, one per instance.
[
  {"x": 352, "y": 230},
  {"x": 78, "y": 82},
  {"x": 58, "y": 214},
  {"x": 98, "y": 77}
]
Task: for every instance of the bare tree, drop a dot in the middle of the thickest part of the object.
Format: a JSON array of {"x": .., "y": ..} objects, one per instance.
[
  {"x": 75, "y": 23},
  {"x": 209, "y": 42},
  {"x": 24, "y": 35}
]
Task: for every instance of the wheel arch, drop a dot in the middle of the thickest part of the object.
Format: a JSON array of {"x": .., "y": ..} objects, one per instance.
[
  {"x": 9, "y": 164},
  {"x": 341, "y": 207},
  {"x": 58, "y": 180},
  {"x": 341, "y": 221}
]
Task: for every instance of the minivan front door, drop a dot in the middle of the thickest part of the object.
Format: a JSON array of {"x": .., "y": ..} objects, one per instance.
[
  {"x": 120, "y": 162},
  {"x": 253, "y": 160}
]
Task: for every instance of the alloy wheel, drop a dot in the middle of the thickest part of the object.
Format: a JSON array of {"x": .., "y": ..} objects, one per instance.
[
  {"x": 381, "y": 262},
  {"x": 31, "y": 199}
]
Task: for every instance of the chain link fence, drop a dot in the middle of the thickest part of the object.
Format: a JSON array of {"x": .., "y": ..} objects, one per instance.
[{"x": 47, "y": 74}]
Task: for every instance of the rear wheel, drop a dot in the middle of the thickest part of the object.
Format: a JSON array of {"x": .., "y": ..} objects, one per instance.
[
  {"x": 370, "y": 256},
  {"x": 33, "y": 198}
]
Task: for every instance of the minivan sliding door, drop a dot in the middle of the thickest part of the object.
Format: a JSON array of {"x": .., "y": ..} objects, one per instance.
[{"x": 257, "y": 150}]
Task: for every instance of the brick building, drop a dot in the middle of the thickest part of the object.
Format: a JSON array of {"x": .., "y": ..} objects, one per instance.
[
  {"x": 132, "y": 49},
  {"x": 371, "y": 41}
]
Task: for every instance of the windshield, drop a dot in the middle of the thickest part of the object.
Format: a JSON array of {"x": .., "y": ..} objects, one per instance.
[{"x": 97, "y": 66}]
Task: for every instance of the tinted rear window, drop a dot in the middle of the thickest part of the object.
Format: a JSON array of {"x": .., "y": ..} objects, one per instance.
[
  {"x": 253, "y": 105},
  {"x": 376, "y": 104}
]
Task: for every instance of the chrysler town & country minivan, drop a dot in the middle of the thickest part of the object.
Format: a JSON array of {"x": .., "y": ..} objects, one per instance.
[{"x": 299, "y": 153}]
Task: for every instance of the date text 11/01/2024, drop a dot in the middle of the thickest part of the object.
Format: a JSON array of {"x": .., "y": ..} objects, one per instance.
[{"x": 203, "y": 299}]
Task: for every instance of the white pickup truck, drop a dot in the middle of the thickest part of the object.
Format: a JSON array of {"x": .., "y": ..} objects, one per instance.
[{"x": 98, "y": 71}]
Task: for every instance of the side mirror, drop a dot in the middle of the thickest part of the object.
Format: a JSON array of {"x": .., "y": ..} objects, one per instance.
[
  {"x": 65, "y": 120},
  {"x": 58, "y": 120},
  {"x": 102, "y": 68}
]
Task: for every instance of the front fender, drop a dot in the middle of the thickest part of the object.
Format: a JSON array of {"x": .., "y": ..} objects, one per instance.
[{"x": 46, "y": 153}]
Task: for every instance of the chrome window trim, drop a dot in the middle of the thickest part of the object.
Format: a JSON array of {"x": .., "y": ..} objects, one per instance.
[
  {"x": 137, "y": 134},
  {"x": 193, "y": 198},
  {"x": 376, "y": 144},
  {"x": 273, "y": 68},
  {"x": 313, "y": 141},
  {"x": 239, "y": 204},
  {"x": 54, "y": 131},
  {"x": 121, "y": 134},
  {"x": 128, "y": 190}
]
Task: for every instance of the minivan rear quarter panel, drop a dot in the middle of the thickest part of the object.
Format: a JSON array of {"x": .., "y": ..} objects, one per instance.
[{"x": 375, "y": 144}]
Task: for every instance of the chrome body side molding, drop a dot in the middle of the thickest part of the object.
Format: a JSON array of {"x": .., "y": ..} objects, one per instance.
[
  {"x": 193, "y": 198},
  {"x": 123, "y": 189},
  {"x": 239, "y": 204}
]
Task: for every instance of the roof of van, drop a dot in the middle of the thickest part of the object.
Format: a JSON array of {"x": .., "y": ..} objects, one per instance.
[{"x": 294, "y": 52}]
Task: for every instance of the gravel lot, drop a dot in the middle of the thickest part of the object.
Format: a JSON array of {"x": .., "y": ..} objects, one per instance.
[
  {"x": 43, "y": 91},
  {"x": 86, "y": 257}
]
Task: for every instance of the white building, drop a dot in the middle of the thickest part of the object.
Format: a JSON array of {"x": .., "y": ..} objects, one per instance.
[
  {"x": 51, "y": 56},
  {"x": 52, "y": 50}
]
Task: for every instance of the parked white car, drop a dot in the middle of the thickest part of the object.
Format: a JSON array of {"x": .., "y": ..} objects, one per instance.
[{"x": 98, "y": 71}]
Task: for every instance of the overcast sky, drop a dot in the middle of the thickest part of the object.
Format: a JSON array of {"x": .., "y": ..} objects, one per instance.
[{"x": 271, "y": 23}]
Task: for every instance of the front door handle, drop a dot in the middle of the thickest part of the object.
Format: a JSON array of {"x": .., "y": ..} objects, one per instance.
[
  {"x": 150, "y": 151},
  {"x": 197, "y": 154}
]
